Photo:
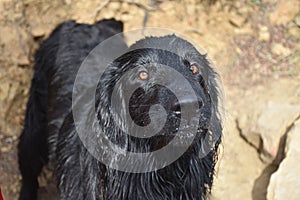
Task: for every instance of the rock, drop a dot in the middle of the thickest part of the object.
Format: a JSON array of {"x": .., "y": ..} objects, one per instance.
[
  {"x": 284, "y": 12},
  {"x": 115, "y": 6},
  {"x": 294, "y": 30},
  {"x": 238, "y": 164},
  {"x": 23, "y": 60},
  {"x": 68, "y": 2},
  {"x": 168, "y": 7},
  {"x": 282, "y": 91},
  {"x": 237, "y": 20},
  {"x": 264, "y": 34},
  {"x": 126, "y": 17},
  {"x": 272, "y": 126},
  {"x": 280, "y": 50},
  {"x": 16, "y": 43},
  {"x": 5, "y": 149},
  {"x": 251, "y": 137},
  {"x": 37, "y": 31},
  {"x": 245, "y": 30},
  {"x": 109, "y": 14},
  {"x": 284, "y": 183},
  {"x": 191, "y": 9},
  {"x": 4, "y": 90},
  {"x": 297, "y": 20}
]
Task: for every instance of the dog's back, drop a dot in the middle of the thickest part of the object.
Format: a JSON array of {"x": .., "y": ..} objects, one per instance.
[{"x": 56, "y": 64}]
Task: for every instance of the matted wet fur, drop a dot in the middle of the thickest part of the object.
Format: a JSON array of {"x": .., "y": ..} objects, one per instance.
[{"x": 49, "y": 129}]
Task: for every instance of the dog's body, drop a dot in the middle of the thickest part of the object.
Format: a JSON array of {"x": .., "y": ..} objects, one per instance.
[{"x": 49, "y": 125}]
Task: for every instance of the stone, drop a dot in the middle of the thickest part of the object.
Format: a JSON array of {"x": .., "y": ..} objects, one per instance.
[
  {"x": 280, "y": 50},
  {"x": 23, "y": 60},
  {"x": 272, "y": 125},
  {"x": 238, "y": 163},
  {"x": 264, "y": 34},
  {"x": 115, "y": 6},
  {"x": 4, "y": 90},
  {"x": 237, "y": 20},
  {"x": 251, "y": 137},
  {"x": 294, "y": 30},
  {"x": 168, "y": 7},
  {"x": 297, "y": 20},
  {"x": 37, "y": 31},
  {"x": 284, "y": 12},
  {"x": 68, "y": 2},
  {"x": 126, "y": 17},
  {"x": 109, "y": 14},
  {"x": 284, "y": 183},
  {"x": 16, "y": 44}
]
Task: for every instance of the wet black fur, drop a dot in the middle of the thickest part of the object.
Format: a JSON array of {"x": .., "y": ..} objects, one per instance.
[{"x": 49, "y": 130}]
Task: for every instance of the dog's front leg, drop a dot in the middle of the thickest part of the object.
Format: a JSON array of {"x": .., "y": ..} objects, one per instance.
[{"x": 78, "y": 172}]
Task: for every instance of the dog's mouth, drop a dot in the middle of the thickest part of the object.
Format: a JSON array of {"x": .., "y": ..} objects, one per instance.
[
  {"x": 175, "y": 119},
  {"x": 185, "y": 112}
]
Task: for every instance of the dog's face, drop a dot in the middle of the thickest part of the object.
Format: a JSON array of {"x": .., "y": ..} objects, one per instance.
[{"x": 141, "y": 73}]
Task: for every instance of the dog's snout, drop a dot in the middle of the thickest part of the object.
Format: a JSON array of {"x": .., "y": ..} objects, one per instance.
[{"x": 187, "y": 102}]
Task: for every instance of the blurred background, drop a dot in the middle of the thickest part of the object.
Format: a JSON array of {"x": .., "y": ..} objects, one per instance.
[{"x": 255, "y": 46}]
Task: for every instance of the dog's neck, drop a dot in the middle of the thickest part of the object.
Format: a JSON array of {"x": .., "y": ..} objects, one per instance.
[{"x": 190, "y": 177}]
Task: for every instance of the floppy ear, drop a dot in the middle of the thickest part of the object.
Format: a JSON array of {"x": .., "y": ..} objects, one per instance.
[
  {"x": 111, "y": 24},
  {"x": 216, "y": 96}
]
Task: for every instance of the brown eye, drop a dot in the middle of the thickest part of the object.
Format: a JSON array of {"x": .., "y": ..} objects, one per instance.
[
  {"x": 143, "y": 75},
  {"x": 194, "y": 69}
]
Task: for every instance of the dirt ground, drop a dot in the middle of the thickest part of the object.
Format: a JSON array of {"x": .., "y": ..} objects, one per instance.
[{"x": 255, "y": 46}]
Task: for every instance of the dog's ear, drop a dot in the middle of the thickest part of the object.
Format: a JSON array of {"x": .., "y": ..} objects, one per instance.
[
  {"x": 114, "y": 25},
  {"x": 216, "y": 95}
]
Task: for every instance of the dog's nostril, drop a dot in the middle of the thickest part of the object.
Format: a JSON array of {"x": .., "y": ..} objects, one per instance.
[{"x": 175, "y": 106}]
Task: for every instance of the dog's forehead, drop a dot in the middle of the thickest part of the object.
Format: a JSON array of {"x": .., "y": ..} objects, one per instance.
[
  {"x": 175, "y": 45},
  {"x": 170, "y": 43}
]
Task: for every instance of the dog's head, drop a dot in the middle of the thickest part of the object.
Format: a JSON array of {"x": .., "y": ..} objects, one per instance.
[{"x": 147, "y": 76}]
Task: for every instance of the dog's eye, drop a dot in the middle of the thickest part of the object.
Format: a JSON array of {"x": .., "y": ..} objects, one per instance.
[
  {"x": 143, "y": 75},
  {"x": 194, "y": 69}
]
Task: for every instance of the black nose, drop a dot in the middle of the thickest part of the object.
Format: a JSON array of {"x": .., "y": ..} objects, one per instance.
[{"x": 187, "y": 102}]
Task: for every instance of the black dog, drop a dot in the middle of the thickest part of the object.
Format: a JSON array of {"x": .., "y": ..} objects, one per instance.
[{"x": 50, "y": 128}]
